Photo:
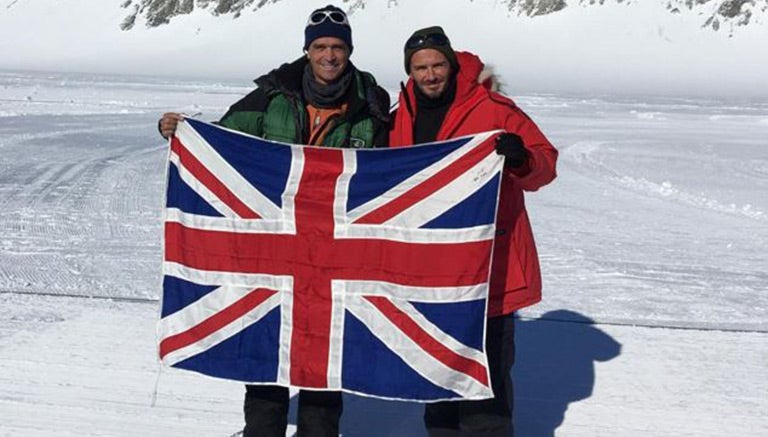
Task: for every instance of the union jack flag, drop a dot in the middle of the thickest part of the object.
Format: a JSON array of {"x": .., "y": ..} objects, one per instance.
[{"x": 330, "y": 269}]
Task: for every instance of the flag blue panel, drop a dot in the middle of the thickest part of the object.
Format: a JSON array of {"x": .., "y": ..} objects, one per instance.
[
  {"x": 251, "y": 355},
  {"x": 180, "y": 293},
  {"x": 463, "y": 321},
  {"x": 181, "y": 196}
]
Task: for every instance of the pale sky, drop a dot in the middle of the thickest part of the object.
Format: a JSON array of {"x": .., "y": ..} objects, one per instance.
[{"x": 614, "y": 48}]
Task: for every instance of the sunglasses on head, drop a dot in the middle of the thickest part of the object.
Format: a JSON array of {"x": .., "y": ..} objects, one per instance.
[
  {"x": 430, "y": 39},
  {"x": 320, "y": 16}
]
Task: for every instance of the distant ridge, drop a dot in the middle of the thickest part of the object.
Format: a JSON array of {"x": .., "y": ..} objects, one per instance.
[{"x": 717, "y": 15}]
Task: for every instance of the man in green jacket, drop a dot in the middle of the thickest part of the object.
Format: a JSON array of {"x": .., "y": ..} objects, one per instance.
[{"x": 320, "y": 99}]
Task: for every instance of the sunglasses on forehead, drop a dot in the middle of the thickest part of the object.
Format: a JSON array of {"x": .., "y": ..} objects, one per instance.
[
  {"x": 320, "y": 16},
  {"x": 430, "y": 39}
]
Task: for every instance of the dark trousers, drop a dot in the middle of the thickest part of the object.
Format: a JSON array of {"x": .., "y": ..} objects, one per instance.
[
  {"x": 266, "y": 412},
  {"x": 489, "y": 417}
]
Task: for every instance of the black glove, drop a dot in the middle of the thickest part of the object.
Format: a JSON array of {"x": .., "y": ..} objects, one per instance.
[{"x": 511, "y": 147}]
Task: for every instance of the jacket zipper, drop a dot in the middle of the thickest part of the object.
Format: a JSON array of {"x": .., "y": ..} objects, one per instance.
[{"x": 325, "y": 126}]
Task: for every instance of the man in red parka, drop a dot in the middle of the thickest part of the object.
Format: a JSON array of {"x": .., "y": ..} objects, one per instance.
[{"x": 448, "y": 95}]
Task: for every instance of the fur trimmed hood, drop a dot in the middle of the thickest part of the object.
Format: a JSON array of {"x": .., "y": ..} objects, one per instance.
[{"x": 474, "y": 70}]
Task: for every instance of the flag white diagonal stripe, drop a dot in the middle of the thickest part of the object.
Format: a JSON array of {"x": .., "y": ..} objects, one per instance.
[
  {"x": 228, "y": 176},
  {"x": 224, "y": 333},
  {"x": 436, "y": 333},
  {"x": 200, "y": 188},
  {"x": 201, "y": 309}
]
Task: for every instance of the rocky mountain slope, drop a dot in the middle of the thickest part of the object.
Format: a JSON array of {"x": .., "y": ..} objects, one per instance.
[{"x": 715, "y": 14}]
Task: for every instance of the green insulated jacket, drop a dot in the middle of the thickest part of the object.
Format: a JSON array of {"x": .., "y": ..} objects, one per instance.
[{"x": 276, "y": 111}]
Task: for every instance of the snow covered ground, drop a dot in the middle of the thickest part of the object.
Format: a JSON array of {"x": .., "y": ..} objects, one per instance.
[{"x": 653, "y": 245}]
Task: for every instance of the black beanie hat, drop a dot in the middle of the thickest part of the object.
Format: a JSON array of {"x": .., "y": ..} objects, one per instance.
[
  {"x": 429, "y": 38},
  {"x": 322, "y": 23}
]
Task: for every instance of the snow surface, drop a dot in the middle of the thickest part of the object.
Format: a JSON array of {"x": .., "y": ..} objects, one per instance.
[{"x": 652, "y": 242}]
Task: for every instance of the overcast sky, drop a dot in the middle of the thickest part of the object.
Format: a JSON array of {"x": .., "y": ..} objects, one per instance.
[{"x": 613, "y": 48}]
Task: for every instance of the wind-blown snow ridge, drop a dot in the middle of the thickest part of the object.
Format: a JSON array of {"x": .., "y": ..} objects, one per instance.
[
  {"x": 668, "y": 190},
  {"x": 586, "y": 154},
  {"x": 715, "y": 13}
]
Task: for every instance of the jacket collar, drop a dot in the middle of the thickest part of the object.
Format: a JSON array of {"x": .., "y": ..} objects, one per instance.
[{"x": 287, "y": 79}]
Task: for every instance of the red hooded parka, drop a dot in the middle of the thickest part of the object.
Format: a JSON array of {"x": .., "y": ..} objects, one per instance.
[{"x": 515, "y": 273}]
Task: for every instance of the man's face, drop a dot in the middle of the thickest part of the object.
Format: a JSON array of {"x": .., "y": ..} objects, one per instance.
[
  {"x": 328, "y": 56},
  {"x": 430, "y": 71}
]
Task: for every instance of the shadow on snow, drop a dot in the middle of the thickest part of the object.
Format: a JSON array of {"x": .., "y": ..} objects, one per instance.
[{"x": 554, "y": 367}]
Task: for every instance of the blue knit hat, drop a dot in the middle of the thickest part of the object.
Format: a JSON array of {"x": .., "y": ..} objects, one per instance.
[{"x": 328, "y": 21}]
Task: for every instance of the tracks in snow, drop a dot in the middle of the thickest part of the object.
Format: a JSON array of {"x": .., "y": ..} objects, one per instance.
[{"x": 80, "y": 206}]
